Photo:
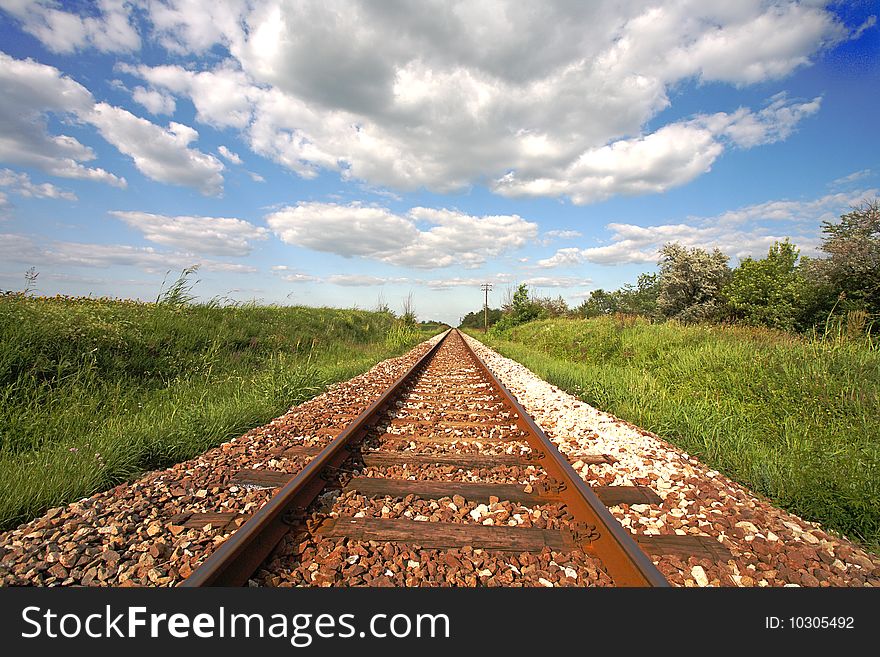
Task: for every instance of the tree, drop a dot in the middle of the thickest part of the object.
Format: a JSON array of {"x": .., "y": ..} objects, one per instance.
[
  {"x": 690, "y": 283},
  {"x": 852, "y": 268},
  {"x": 770, "y": 291},
  {"x": 521, "y": 309},
  {"x": 474, "y": 319},
  {"x": 597, "y": 304},
  {"x": 641, "y": 298}
]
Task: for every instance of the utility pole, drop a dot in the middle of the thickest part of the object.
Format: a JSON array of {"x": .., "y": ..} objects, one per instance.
[{"x": 485, "y": 287}]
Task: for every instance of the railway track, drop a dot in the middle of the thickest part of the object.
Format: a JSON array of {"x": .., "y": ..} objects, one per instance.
[
  {"x": 444, "y": 481},
  {"x": 444, "y": 460}
]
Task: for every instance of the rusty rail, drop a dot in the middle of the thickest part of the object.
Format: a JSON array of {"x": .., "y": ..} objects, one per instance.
[
  {"x": 596, "y": 531},
  {"x": 601, "y": 534},
  {"x": 243, "y": 552}
]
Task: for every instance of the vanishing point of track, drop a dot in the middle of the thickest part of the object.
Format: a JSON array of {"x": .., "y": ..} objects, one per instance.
[{"x": 447, "y": 401}]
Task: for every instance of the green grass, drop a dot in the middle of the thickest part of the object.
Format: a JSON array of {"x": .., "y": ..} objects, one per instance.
[
  {"x": 94, "y": 392},
  {"x": 795, "y": 419}
]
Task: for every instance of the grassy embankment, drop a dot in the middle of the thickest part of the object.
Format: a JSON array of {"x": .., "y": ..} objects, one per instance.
[
  {"x": 795, "y": 419},
  {"x": 95, "y": 391}
]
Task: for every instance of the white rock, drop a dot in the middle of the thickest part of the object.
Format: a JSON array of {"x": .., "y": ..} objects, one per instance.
[
  {"x": 699, "y": 576},
  {"x": 545, "y": 582}
]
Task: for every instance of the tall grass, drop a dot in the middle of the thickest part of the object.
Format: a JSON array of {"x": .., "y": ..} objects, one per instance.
[
  {"x": 95, "y": 391},
  {"x": 796, "y": 419}
]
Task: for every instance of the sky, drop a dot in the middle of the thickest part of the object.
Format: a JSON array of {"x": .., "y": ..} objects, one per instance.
[{"x": 356, "y": 153}]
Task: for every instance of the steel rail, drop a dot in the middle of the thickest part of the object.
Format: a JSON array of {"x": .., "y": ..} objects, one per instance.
[
  {"x": 602, "y": 535},
  {"x": 241, "y": 554}
]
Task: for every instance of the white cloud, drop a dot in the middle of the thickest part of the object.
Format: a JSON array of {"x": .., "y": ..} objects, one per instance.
[
  {"x": 851, "y": 178},
  {"x": 194, "y": 26},
  {"x": 256, "y": 177},
  {"x": 23, "y": 249},
  {"x": 297, "y": 277},
  {"x": 223, "y": 98},
  {"x": 159, "y": 153},
  {"x": 293, "y": 276},
  {"x": 447, "y": 283},
  {"x": 458, "y": 238},
  {"x": 553, "y": 235},
  {"x": 21, "y": 184},
  {"x": 30, "y": 91},
  {"x": 154, "y": 101},
  {"x": 771, "y": 124},
  {"x": 111, "y": 30},
  {"x": 452, "y": 238},
  {"x": 561, "y": 281},
  {"x": 670, "y": 157},
  {"x": 437, "y": 95},
  {"x": 346, "y": 230},
  {"x": 745, "y": 232},
  {"x": 569, "y": 256},
  {"x": 228, "y": 154},
  {"x": 212, "y": 235},
  {"x": 356, "y": 280}
]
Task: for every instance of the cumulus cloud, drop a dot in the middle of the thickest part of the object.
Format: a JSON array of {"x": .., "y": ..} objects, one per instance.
[
  {"x": 32, "y": 90},
  {"x": 21, "y": 248},
  {"x": 346, "y": 230},
  {"x": 451, "y": 237},
  {"x": 771, "y": 124},
  {"x": 228, "y": 154},
  {"x": 560, "y": 281},
  {"x": 553, "y": 235},
  {"x": 672, "y": 156},
  {"x": 112, "y": 29},
  {"x": 356, "y": 280},
  {"x": 298, "y": 277},
  {"x": 224, "y": 97},
  {"x": 437, "y": 94},
  {"x": 159, "y": 153},
  {"x": 448, "y": 283},
  {"x": 21, "y": 184},
  {"x": 745, "y": 232},
  {"x": 154, "y": 101},
  {"x": 212, "y": 235}
]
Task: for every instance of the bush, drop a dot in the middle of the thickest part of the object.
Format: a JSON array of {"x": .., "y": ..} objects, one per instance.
[{"x": 690, "y": 283}]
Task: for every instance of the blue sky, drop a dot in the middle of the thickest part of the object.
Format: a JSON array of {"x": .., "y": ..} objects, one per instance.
[{"x": 336, "y": 153}]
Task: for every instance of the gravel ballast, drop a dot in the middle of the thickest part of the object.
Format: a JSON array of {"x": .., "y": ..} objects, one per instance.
[
  {"x": 770, "y": 546},
  {"x": 128, "y": 536}
]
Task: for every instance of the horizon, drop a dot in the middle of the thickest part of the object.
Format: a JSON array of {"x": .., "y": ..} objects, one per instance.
[{"x": 342, "y": 156}]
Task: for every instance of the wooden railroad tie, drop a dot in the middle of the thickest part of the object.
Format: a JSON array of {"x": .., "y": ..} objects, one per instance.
[
  {"x": 400, "y": 488},
  {"x": 448, "y": 535}
]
